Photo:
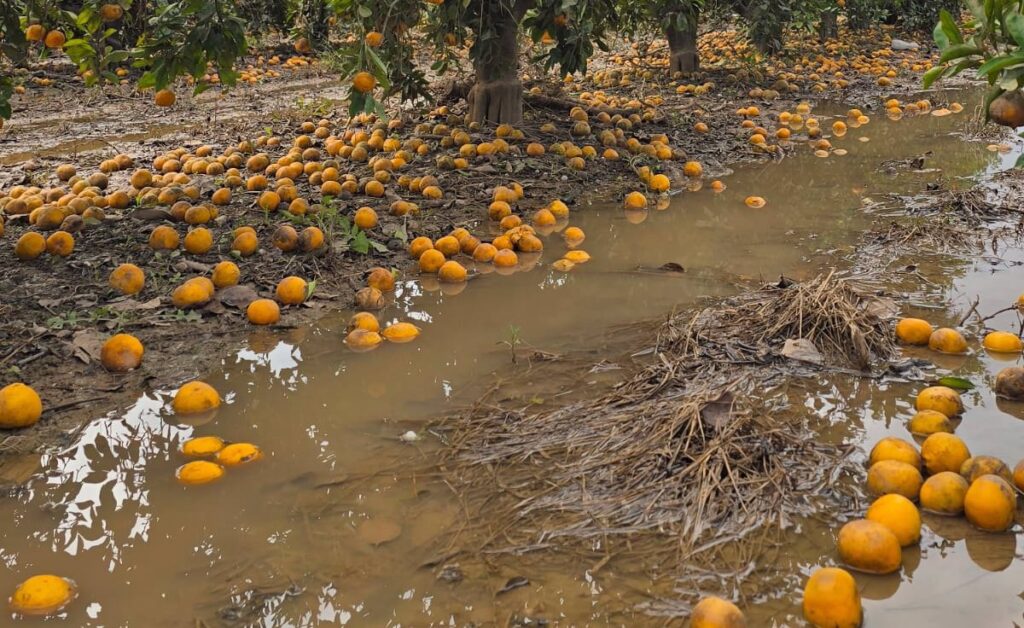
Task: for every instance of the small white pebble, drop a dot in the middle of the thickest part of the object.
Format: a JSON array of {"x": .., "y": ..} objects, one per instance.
[{"x": 410, "y": 437}]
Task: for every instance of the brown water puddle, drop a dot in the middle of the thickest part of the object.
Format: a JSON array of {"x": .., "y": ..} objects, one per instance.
[{"x": 286, "y": 540}]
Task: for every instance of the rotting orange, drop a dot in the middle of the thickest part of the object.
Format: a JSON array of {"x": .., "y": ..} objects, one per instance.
[
  {"x": 635, "y": 200},
  {"x": 246, "y": 243},
  {"x": 577, "y": 256},
  {"x": 195, "y": 397},
  {"x": 285, "y": 238},
  {"x": 311, "y": 239},
  {"x": 977, "y": 466},
  {"x": 128, "y": 279},
  {"x": 1018, "y": 475},
  {"x": 869, "y": 546},
  {"x": 237, "y": 454},
  {"x": 831, "y": 599},
  {"x": 944, "y": 493},
  {"x": 121, "y": 353},
  {"x": 755, "y": 202},
  {"x": 448, "y": 246},
  {"x": 400, "y": 332},
  {"x": 940, "y": 399},
  {"x": 381, "y": 279},
  {"x": 369, "y": 298},
  {"x": 191, "y": 294},
  {"x": 944, "y": 452},
  {"x": 363, "y": 340},
  {"x": 484, "y": 252},
  {"x": 20, "y": 406},
  {"x": 163, "y": 238},
  {"x": 946, "y": 340},
  {"x": 60, "y": 244},
  {"x": 928, "y": 422},
  {"x": 44, "y": 594},
  {"x": 893, "y": 476},
  {"x": 505, "y": 258},
  {"x": 29, "y": 246},
  {"x": 364, "y": 320}
]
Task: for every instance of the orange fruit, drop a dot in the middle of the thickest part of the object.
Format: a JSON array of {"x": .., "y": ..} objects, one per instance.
[
  {"x": 913, "y": 331},
  {"x": 869, "y": 546},
  {"x": 831, "y": 599},
  {"x": 199, "y": 472},
  {"x": 263, "y": 312},
  {"x": 54, "y": 40},
  {"x": 60, "y": 244},
  {"x": 164, "y": 98},
  {"x": 225, "y": 274},
  {"x": 944, "y": 452},
  {"x": 1003, "y": 342},
  {"x": 237, "y": 454},
  {"x": 121, "y": 353},
  {"x": 714, "y": 612},
  {"x": 893, "y": 476},
  {"x": 199, "y": 241},
  {"x": 900, "y": 515},
  {"x": 291, "y": 290},
  {"x": 20, "y": 406},
  {"x": 419, "y": 245},
  {"x": 163, "y": 238},
  {"x": 990, "y": 504},
  {"x": 505, "y": 258},
  {"x": 202, "y": 446},
  {"x": 195, "y": 397},
  {"x": 364, "y": 82},
  {"x": 42, "y": 595},
  {"x": 365, "y": 321},
  {"x": 381, "y": 279},
  {"x": 401, "y": 332},
  {"x": 452, "y": 272},
  {"x": 946, "y": 340},
  {"x": 30, "y": 245},
  {"x": 944, "y": 493},
  {"x": 127, "y": 279},
  {"x": 940, "y": 399},
  {"x": 365, "y": 218},
  {"x": 431, "y": 260},
  {"x": 892, "y": 448},
  {"x": 635, "y": 200}
]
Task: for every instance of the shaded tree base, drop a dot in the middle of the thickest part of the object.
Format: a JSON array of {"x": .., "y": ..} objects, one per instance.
[{"x": 497, "y": 102}]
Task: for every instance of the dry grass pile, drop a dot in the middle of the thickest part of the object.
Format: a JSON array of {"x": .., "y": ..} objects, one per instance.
[{"x": 696, "y": 445}]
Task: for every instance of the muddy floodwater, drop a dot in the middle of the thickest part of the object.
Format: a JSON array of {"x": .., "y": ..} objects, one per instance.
[{"x": 333, "y": 527}]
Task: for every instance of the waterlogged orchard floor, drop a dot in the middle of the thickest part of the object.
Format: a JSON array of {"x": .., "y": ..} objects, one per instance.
[{"x": 334, "y": 525}]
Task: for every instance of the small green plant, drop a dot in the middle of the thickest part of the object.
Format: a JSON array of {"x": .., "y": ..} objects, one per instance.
[{"x": 512, "y": 342}]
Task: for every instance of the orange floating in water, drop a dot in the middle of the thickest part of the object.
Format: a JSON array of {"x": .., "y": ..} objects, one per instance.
[{"x": 755, "y": 202}]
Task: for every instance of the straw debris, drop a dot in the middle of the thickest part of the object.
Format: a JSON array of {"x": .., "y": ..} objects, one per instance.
[{"x": 699, "y": 446}]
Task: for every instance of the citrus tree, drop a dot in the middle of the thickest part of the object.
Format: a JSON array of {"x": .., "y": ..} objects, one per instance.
[
  {"x": 992, "y": 45},
  {"x": 183, "y": 37},
  {"x": 677, "y": 20},
  {"x": 382, "y": 61}
]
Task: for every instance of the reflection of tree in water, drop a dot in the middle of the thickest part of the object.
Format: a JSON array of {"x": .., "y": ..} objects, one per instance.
[{"x": 99, "y": 483}]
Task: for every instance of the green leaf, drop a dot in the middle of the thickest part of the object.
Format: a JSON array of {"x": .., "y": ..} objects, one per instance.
[
  {"x": 995, "y": 65},
  {"x": 957, "y": 51},
  {"x": 1015, "y": 25},
  {"x": 949, "y": 27},
  {"x": 956, "y": 383},
  {"x": 932, "y": 75}
]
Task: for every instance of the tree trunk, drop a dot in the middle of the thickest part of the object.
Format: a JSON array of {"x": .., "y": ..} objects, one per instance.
[
  {"x": 682, "y": 45},
  {"x": 829, "y": 26},
  {"x": 497, "y": 94}
]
